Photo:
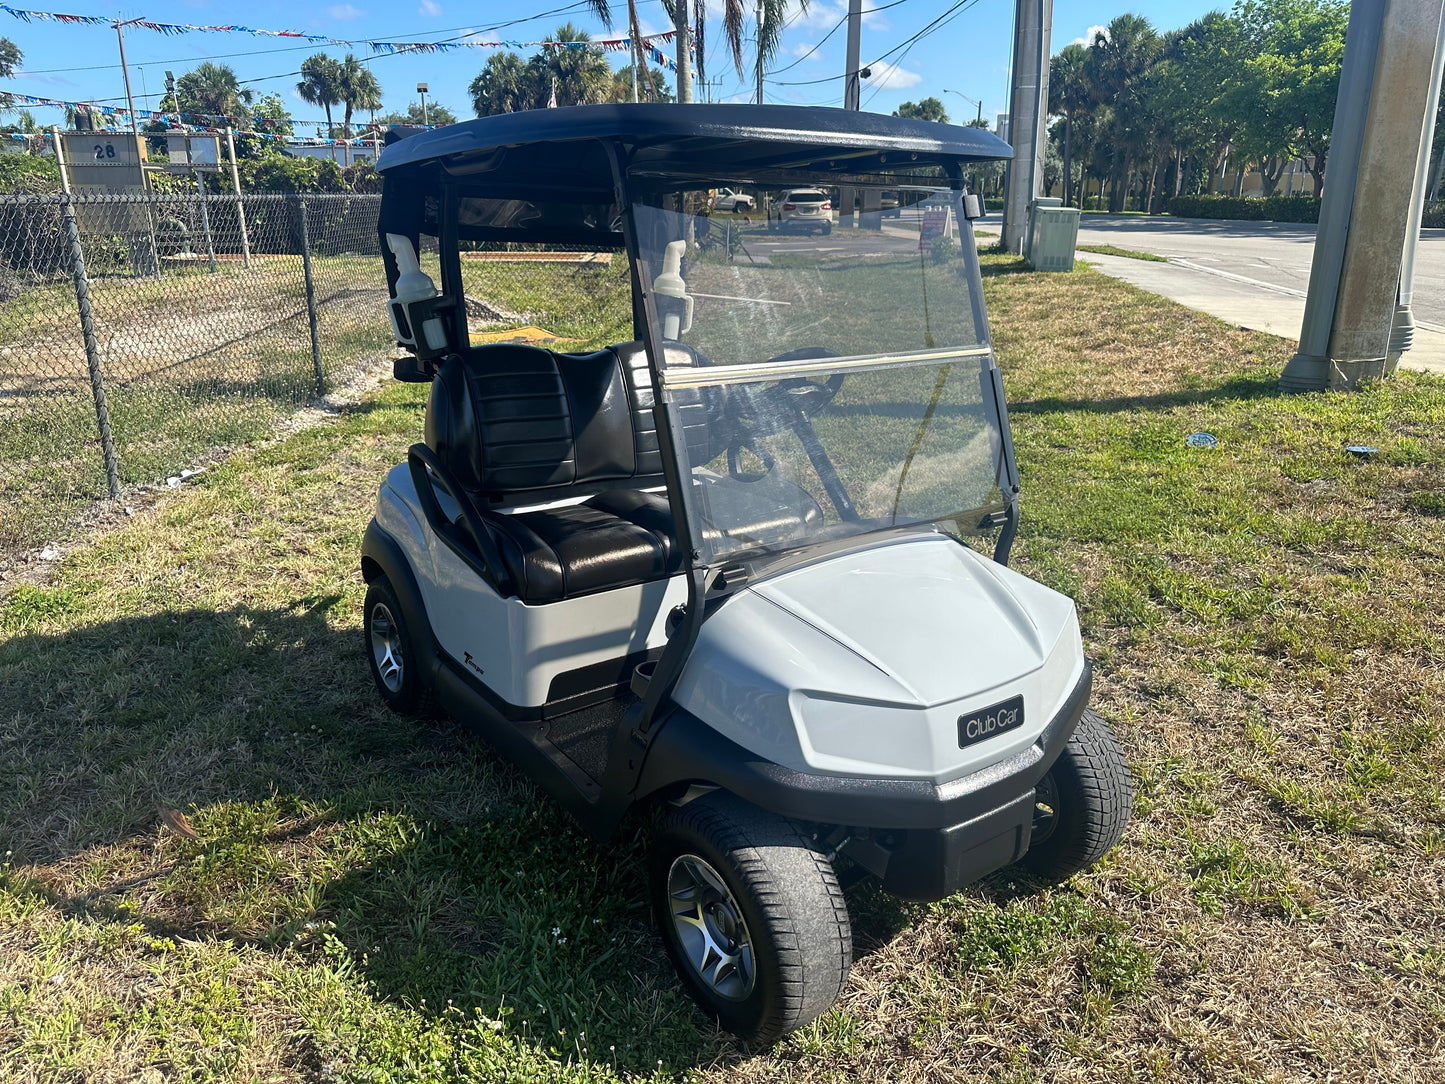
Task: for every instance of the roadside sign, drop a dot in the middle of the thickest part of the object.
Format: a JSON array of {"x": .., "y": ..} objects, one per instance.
[
  {"x": 110, "y": 161},
  {"x": 193, "y": 150},
  {"x": 935, "y": 224}
]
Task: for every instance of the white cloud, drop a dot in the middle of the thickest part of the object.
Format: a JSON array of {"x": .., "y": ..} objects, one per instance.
[
  {"x": 803, "y": 48},
  {"x": 344, "y": 11},
  {"x": 822, "y": 15},
  {"x": 892, "y": 77},
  {"x": 1088, "y": 38},
  {"x": 430, "y": 7}
]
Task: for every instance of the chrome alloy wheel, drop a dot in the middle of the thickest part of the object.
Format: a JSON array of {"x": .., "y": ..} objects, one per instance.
[
  {"x": 386, "y": 647},
  {"x": 710, "y": 928}
]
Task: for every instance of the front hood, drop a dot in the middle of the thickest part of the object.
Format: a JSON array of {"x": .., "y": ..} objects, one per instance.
[
  {"x": 934, "y": 616},
  {"x": 867, "y": 663}
]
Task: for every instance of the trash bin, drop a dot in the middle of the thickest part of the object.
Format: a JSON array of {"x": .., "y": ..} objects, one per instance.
[{"x": 1053, "y": 233}]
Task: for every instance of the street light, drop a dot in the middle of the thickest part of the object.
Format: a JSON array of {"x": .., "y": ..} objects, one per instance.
[
  {"x": 421, "y": 88},
  {"x": 966, "y": 98}
]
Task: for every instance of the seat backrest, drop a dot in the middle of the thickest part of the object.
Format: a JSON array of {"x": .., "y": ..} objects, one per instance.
[{"x": 509, "y": 418}]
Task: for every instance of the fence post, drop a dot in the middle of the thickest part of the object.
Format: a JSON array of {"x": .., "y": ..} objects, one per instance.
[
  {"x": 92, "y": 348},
  {"x": 205, "y": 221},
  {"x": 240, "y": 203},
  {"x": 311, "y": 314}
]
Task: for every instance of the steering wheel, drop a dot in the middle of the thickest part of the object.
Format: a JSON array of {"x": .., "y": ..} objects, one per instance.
[{"x": 806, "y": 396}]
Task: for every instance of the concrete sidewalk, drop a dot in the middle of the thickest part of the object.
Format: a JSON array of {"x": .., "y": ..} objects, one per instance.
[{"x": 1246, "y": 302}]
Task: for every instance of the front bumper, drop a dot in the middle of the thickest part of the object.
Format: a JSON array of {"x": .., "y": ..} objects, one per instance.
[{"x": 926, "y": 840}]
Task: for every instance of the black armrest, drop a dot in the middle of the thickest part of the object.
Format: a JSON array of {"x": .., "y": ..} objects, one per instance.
[{"x": 421, "y": 460}]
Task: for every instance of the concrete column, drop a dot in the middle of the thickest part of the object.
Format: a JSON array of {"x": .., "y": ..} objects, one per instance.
[
  {"x": 1402, "y": 333},
  {"x": 1385, "y": 89},
  {"x": 1028, "y": 114},
  {"x": 852, "y": 83}
]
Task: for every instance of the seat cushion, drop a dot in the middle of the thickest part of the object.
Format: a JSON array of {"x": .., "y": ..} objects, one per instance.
[{"x": 558, "y": 553}]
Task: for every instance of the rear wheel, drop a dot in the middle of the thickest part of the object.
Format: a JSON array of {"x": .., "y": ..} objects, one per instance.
[
  {"x": 391, "y": 651},
  {"x": 1082, "y": 805},
  {"x": 752, "y": 917}
]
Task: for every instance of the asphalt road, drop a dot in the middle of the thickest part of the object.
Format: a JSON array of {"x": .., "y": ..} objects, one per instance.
[{"x": 1275, "y": 254}]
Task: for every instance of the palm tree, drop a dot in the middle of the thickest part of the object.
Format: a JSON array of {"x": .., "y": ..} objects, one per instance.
[
  {"x": 358, "y": 88},
  {"x": 321, "y": 83},
  {"x": 212, "y": 89},
  {"x": 1119, "y": 60},
  {"x": 1069, "y": 98}
]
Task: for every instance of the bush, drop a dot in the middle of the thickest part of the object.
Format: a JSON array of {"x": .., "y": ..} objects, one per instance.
[
  {"x": 1434, "y": 217},
  {"x": 28, "y": 173},
  {"x": 1247, "y": 208}
]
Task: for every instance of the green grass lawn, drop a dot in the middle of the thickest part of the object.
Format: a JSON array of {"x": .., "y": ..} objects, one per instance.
[
  {"x": 1115, "y": 250},
  {"x": 369, "y": 899}
]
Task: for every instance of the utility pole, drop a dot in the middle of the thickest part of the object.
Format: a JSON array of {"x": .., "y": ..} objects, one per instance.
[
  {"x": 129, "y": 101},
  {"x": 1402, "y": 332},
  {"x": 1028, "y": 112},
  {"x": 421, "y": 88},
  {"x": 684, "y": 55},
  {"x": 966, "y": 98},
  {"x": 1365, "y": 212},
  {"x": 760, "y": 51},
  {"x": 852, "y": 88}
]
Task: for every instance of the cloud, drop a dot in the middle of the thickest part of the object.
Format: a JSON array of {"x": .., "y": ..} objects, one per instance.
[
  {"x": 344, "y": 11},
  {"x": 430, "y": 7},
  {"x": 1088, "y": 38},
  {"x": 891, "y": 77},
  {"x": 822, "y": 15},
  {"x": 803, "y": 48}
]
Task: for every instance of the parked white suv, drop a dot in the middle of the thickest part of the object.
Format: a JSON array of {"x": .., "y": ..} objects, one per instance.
[
  {"x": 728, "y": 200},
  {"x": 804, "y": 208}
]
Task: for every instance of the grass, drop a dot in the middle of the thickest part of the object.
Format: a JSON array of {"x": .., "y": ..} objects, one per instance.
[
  {"x": 368, "y": 899},
  {"x": 1115, "y": 250}
]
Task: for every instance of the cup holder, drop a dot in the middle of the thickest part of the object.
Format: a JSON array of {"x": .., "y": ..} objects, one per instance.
[{"x": 642, "y": 678}]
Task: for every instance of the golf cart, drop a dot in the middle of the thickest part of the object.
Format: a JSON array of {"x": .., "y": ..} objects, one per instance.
[{"x": 729, "y": 573}]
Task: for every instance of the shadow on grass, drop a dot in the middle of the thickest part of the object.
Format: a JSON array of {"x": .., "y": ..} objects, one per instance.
[
  {"x": 1234, "y": 390},
  {"x": 328, "y": 828}
]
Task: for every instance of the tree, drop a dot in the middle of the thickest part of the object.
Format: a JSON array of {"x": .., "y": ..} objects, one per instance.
[
  {"x": 273, "y": 116},
  {"x": 501, "y": 86},
  {"x": 576, "y": 75},
  {"x": 10, "y": 57},
  {"x": 1119, "y": 60},
  {"x": 927, "y": 109},
  {"x": 1069, "y": 98},
  {"x": 651, "y": 86},
  {"x": 212, "y": 89},
  {"x": 358, "y": 88},
  {"x": 320, "y": 83},
  {"x": 436, "y": 113},
  {"x": 1297, "y": 48}
]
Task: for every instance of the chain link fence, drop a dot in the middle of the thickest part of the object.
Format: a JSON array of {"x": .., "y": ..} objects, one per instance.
[{"x": 140, "y": 333}]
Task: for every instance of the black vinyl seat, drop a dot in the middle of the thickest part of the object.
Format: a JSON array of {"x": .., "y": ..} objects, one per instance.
[{"x": 515, "y": 425}]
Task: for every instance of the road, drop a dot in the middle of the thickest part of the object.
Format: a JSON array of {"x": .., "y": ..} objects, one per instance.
[{"x": 1273, "y": 254}]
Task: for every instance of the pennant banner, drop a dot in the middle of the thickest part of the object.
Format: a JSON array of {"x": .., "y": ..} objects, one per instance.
[{"x": 609, "y": 44}]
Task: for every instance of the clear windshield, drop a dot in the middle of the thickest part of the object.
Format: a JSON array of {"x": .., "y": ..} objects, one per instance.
[{"x": 833, "y": 378}]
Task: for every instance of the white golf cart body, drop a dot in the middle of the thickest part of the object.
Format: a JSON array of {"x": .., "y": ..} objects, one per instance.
[{"x": 790, "y": 460}]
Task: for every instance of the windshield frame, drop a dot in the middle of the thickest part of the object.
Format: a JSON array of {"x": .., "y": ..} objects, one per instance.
[{"x": 644, "y": 190}]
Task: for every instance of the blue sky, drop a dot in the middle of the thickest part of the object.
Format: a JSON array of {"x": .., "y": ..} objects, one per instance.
[{"x": 969, "y": 54}]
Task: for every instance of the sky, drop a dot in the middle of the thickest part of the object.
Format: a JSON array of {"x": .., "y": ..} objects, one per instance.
[{"x": 963, "y": 61}]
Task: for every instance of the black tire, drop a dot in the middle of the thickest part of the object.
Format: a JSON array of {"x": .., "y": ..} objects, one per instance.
[
  {"x": 792, "y": 916},
  {"x": 391, "y": 652},
  {"x": 827, "y": 229},
  {"x": 1083, "y": 803}
]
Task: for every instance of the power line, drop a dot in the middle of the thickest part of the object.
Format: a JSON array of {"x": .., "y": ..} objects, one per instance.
[
  {"x": 930, "y": 28},
  {"x": 830, "y": 33},
  {"x": 899, "y": 62}
]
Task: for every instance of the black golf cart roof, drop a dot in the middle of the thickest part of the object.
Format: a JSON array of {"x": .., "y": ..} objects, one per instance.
[{"x": 746, "y": 142}]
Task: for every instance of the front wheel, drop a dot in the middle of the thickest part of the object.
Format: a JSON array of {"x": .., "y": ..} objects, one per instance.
[
  {"x": 751, "y": 916},
  {"x": 1082, "y": 805},
  {"x": 392, "y": 653}
]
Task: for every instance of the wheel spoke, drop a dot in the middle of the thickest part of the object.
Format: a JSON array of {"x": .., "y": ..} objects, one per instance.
[{"x": 710, "y": 929}]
